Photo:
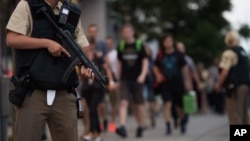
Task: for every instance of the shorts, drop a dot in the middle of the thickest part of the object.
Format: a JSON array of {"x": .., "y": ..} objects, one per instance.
[
  {"x": 149, "y": 94},
  {"x": 132, "y": 91},
  {"x": 174, "y": 94}
]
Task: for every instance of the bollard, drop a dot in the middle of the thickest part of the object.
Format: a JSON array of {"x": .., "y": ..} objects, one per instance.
[{"x": 4, "y": 107}]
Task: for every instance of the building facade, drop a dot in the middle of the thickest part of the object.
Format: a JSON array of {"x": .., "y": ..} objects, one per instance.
[{"x": 95, "y": 12}]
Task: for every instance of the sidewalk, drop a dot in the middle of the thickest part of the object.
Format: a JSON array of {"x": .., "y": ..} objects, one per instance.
[{"x": 207, "y": 127}]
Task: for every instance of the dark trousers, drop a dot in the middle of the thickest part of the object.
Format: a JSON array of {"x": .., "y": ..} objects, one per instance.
[
  {"x": 217, "y": 101},
  {"x": 94, "y": 97}
]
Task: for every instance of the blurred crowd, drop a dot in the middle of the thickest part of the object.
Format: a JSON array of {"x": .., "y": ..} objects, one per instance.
[
  {"x": 172, "y": 84},
  {"x": 137, "y": 82}
]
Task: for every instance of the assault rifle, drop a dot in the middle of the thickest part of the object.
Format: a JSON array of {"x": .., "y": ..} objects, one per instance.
[{"x": 75, "y": 51}]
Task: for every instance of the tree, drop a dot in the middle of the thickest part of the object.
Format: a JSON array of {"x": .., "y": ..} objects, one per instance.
[
  {"x": 198, "y": 23},
  {"x": 244, "y": 31}
]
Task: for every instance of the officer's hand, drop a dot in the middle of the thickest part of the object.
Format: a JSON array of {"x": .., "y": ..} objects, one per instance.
[
  {"x": 56, "y": 50},
  {"x": 87, "y": 72}
]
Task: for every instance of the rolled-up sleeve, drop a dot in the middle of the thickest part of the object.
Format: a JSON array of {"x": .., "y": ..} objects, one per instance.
[
  {"x": 19, "y": 21},
  {"x": 228, "y": 60},
  {"x": 80, "y": 36}
]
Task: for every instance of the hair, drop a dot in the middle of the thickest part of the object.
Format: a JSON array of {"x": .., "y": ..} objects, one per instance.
[
  {"x": 168, "y": 35},
  {"x": 232, "y": 39},
  {"x": 128, "y": 26},
  {"x": 92, "y": 25}
]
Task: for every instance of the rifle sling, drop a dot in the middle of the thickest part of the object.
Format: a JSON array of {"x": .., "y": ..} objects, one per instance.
[{"x": 69, "y": 70}]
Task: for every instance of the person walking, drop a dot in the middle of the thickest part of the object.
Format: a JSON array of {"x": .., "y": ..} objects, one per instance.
[
  {"x": 216, "y": 101},
  {"x": 94, "y": 93},
  {"x": 149, "y": 90},
  {"x": 101, "y": 47},
  {"x": 234, "y": 77},
  {"x": 172, "y": 72},
  {"x": 113, "y": 94},
  {"x": 132, "y": 69},
  {"x": 194, "y": 75},
  {"x": 202, "y": 95},
  {"x": 40, "y": 54},
  {"x": 93, "y": 32}
]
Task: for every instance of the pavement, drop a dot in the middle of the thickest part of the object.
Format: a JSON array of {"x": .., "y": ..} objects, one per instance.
[{"x": 207, "y": 127}]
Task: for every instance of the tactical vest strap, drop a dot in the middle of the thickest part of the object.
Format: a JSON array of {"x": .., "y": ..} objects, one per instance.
[
  {"x": 69, "y": 70},
  {"x": 138, "y": 45}
]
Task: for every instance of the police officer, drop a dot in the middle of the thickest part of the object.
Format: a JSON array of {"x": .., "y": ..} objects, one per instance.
[
  {"x": 234, "y": 77},
  {"x": 40, "y": 52}
]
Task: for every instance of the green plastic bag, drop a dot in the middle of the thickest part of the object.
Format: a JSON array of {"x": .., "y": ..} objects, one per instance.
[{"x": 190, "y": 103}]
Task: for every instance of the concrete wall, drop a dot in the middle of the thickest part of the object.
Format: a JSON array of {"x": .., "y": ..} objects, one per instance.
[{"x": 94, "y": 11}]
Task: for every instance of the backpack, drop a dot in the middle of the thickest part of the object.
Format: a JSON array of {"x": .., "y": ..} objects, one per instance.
[
  {"x": 138, "y": 45},
  {"x": 159, "y": 86}
]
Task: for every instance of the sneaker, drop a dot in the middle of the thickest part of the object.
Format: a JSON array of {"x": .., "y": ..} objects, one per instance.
[
  {"x": 139, "y": 132},
  {"x": 168, "y": 129},
  {"x": 183, "y": 127},
  {"x": 121, "y": 131},
  {"x": 112, "y": 127}
]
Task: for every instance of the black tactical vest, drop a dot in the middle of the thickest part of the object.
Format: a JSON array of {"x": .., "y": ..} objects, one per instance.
[
  {"x": 239, "y": 74},
  {"x": 47, "y": 71}
]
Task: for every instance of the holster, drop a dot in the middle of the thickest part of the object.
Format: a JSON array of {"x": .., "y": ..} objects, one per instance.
[
  {"x": 18, "y": 94},
  {"x": 79, "y": 107},
  {"x": 231, "y": 89}
]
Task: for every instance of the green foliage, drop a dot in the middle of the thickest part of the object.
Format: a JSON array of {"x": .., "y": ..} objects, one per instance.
[
  {"x": 10, "y": 138},
  {"x": 244, "y": 31},
  {"x": 198, "y": 23}
]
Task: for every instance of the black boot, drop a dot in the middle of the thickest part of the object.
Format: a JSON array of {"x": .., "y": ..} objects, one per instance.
[
  {"x": 183, "y": 127},
  {"x": 139, "y": 132},
  {"x": 121, "y": 131},
  {"x": 168, "y": 129}
]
